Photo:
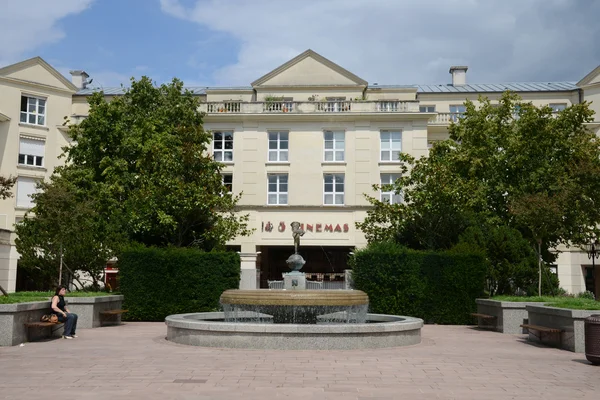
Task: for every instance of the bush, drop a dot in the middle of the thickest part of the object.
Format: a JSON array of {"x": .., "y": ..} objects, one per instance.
[
  {"x": 586, "y": 295},
  {"x": 439, "y": 287},
  {"x": 157, "y": 282}
]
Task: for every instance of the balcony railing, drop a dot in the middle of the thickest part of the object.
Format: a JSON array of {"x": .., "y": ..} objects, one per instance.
[
  {"x": 445, "y": 118},
  {"x": 307, "y": 107}
]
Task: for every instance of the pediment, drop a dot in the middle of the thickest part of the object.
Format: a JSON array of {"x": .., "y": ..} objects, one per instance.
[
  {"x": 591, "y": 78},
  {"x": 309, "y": 69},
  {"x": 36, "y": 70}
]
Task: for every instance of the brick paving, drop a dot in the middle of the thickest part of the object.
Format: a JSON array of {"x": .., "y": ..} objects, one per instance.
[{"x": 134, "y": 361}]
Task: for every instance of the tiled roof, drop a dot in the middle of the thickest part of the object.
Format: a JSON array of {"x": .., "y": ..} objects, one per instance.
[
  {"x": 499, "y": 87},
  {"x": 470, "y": 88}
]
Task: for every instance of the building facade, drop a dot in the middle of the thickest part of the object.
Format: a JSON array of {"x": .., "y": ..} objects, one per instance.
[{"x": 303, "y": 143}]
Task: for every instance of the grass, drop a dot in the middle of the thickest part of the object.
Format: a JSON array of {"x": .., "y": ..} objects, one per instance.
[
  {"x": 558, "y": 301},
  {"x": 23, "y": 297}
]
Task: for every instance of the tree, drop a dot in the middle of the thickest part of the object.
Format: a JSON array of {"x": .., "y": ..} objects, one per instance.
[
  {"x": 6, "y": 185},
  {"x": 138, "y": 170},
  {"x": 512, "y": 165},
  {"x": 64, "y": 228}
]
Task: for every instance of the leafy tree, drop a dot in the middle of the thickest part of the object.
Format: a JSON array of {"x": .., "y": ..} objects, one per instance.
[
  {"x": 513, "y": 165},
  {"x": 138, "y": 170},
  {"x": 6, "y": 185}
]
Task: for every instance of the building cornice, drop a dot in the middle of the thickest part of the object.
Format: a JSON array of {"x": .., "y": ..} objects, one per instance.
[
  {"x": 38, "y": 61},
  {"x": 4, "y": 117},
  {"x": 299, "y": 117},
  {"x": 35, "y": 85},
  {"x": 296, "y": 88}
]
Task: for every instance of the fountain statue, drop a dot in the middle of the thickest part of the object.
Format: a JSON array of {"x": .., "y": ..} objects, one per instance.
[{"x": 295, "y": 261}]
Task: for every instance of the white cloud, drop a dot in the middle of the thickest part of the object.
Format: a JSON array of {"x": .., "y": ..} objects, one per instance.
[
  {"x": 29, "y": 25},
  {"x": 392, "y": 41}
]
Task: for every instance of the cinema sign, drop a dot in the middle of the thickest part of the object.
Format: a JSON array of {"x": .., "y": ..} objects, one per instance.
[{"x": 281, "y": 226}]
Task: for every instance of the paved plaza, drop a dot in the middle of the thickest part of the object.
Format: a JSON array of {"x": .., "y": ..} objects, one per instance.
[{"x": 134, "y": 361}]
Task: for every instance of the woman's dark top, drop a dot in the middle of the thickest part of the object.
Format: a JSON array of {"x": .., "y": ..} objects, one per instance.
[{"x": 61, "y": 304}]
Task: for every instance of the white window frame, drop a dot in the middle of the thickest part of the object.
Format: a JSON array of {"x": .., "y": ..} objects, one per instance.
[
  {"x": 227, "y": 176},
  {"x": 24, "y": 158},
  {"x": 456, "y": 111},
  {"x": 389, "y": 195},
  {"x": 37, "y": 114},
  {"x": 281, "y": 140},
  {"x": 222, "y": 143},
  {"x": 337, "y": 147},
  {"x": 427, "y": 108},
  {"x": 557, "y": 107},
  {"x": 336, "y": 180},
  {"x": 389, "y": 146},
  {"x": 281, "y": 195}
]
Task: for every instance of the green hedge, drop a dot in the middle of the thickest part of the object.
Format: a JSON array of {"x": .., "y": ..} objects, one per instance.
[
  {"x": 439, "y": 287},
  {"x": 157, "y": 282}
]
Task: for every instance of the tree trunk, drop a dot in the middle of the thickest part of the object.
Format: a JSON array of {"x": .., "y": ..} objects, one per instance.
[{"x": 3, "y": 291}]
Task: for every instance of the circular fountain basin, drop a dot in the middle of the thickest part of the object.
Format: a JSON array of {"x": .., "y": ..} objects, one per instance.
[
  {"x": 295, "y": 297},
  {"x": 210, "y": 330}
]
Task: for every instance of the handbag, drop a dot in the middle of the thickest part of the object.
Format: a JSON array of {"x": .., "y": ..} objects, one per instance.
[{"x": 52, "y": 318}]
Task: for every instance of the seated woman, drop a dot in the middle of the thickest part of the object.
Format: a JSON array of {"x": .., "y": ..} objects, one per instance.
[{"x": 59, "y": 307}]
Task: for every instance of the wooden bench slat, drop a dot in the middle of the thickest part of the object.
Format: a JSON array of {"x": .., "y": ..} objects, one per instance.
[
  {"x": 483, "y": 316},
  {"x": 541, "y": 328},
  {"x": 41, "y": 324}
]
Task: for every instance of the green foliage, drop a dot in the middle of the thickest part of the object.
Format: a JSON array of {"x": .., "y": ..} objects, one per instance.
[
  {"x": 575, "y": 304},
  {"x": 440, "y": 287},
  {"x": 138, "y": 170},
  {"x": 511, "y": 260},
  {"x": 586, "y": 295},
  {"x": 157, "y": 282},
  {"x": 24, "y": 297},
  {"x": 6, "y": 185},
  {"x": 512, "y": 165}
]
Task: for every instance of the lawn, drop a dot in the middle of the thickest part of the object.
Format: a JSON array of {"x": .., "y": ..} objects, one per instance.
[
  {"x": 559, "y": 301},
  {"x": 23, "y": 297}
]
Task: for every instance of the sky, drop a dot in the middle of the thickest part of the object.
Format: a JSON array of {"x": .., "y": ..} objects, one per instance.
[{"x": 234, "y": 42}]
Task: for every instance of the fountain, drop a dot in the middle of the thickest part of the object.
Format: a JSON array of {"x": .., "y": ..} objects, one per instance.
[{"x": 294, "y": 318}]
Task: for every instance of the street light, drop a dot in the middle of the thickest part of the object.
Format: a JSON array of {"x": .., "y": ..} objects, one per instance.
[{"x": 593, "y": 252}]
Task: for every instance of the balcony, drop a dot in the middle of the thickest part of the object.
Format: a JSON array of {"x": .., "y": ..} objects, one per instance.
[
  {"x": 308, "y": 107},
  {"x": 445, "y": 118}
]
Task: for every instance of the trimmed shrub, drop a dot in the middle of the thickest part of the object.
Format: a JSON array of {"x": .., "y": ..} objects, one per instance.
[
  {"x": 157, "y": 282},
  {"x": 439, "y": 287}
]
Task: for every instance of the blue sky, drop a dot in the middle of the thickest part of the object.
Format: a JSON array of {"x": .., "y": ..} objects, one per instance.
[{"x": 233, "y": 42}]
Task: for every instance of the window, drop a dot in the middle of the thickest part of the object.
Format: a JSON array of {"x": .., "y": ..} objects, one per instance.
[
  {"x": 556, "y": 107},
  {"x": 387, "y": 194},
  {"x": 333, "y": 191},
  {"x": 391, "y": 145},
  {"x": 426, "y": 108},
  {"x": 457, "y": 111},
  {"x": 223, "y": 146},
  {"x": 334, "y": 146},
  {"x": 227, "y": 180},
  {"x": 278, "y": 146},
  {"x": 33, "y": 110},
  {"x": 278, "y": 189},
  {"x": 31, "y": 152},
  {"x": 25, "y": 188}
]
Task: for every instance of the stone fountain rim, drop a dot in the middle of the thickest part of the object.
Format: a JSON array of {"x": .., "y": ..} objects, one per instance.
[
  {"x": 282, "y": 297},
  {"x": 388, "y": 323}
]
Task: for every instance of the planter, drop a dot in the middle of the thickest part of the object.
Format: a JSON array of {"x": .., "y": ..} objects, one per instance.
[
  {"x": 88, "y": 309},
  {"x": 14, "y": 316},
  {"x": 509, "y": 315},
  {"x": 571, "y": 322}
]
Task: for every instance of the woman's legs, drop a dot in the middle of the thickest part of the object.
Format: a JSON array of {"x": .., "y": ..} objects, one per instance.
[
  {"x": 74, "y": 327},
  {"x": 68, "y": 323}
]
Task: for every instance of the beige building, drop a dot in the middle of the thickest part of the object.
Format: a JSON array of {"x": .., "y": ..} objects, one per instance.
[{"x": 303, "y": 143}]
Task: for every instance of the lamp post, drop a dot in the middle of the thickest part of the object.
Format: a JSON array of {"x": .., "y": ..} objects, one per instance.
[{"x": 593, "y": 252}]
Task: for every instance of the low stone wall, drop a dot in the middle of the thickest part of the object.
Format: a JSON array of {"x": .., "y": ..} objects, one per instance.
[
  {"x": 88, "y": 309},
  {"x": 509, "y": 315},
  {"x": 14, "y": 316},
  {"x": 572, "y": 322}
]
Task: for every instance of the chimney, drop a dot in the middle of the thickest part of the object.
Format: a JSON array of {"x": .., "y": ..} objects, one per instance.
[
  {"x": 79, "y": 78},
  {"x": 459, "y": 75}
]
